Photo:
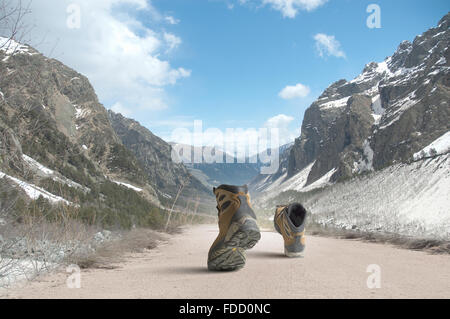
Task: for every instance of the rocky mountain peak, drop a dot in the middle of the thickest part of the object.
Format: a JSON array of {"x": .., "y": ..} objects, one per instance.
[
  {"x": 444, "y": 23},
  {"x": 370, "y": 67},
  {"x": 387, "y": 113}
]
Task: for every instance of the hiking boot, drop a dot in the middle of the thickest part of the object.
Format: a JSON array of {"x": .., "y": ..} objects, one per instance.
[
  {"x": 238, "y": 230},
  {"x": 289, "y": 221}
]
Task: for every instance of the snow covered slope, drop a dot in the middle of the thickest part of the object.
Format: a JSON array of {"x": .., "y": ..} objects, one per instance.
[
  {"x": 297, "y": 183},
  {"x": 33, "y": 191},
  {"x": 44, "y": 171},
  {"x": 438, "y": 147},
  {"x": 407, "y": 199}
]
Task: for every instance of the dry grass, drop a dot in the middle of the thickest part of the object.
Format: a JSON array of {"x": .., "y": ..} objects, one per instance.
[
  {"x": 113, "y": 252},
  {"x": 135, "y": 241}
]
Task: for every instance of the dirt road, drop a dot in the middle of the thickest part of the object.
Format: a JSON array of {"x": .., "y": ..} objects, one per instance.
[{"x": 332, "y": 268}]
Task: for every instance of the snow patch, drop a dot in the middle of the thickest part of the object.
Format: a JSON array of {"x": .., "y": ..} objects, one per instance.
[
  {"x": 37, "y": 165},
  {"x": 377, "y": 109},
  {"x": 382, "y": 68},
  {"x": 34, "y": 192},
  {"x": 296, "y": 182},
  {"x": 136, "y": 189},
  {"x": 80, "y": 113},
  {"x": 321, "y": 182},
  {"x": 47, "y": 172},
  {"x": 335, "y": 104},
  {"x": 438, "y": 34},
  {"x": 400, "y": 106},
  {"x": 438, "y": 147},
  {"x": 442, "y": 60},
  {"x": 11, "y": 47},
  {"x": 366, "y": 162}
]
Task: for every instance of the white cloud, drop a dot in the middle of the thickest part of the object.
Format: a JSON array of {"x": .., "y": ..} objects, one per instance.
[
  {"x": 290, "y": 8},
  {"x": 279, "y": 121},
  {"x": 327, "y": 45},
  {"x": 230, "y": 5},
  {"x": 119, "y": 108},
  {"x": 171, "y": 20},
  {"x": 123, "y": 58},
  {"x": 293, "y": 92},
  {"x": 172, "y": 41},
  {"x": 283, "y": 123}
]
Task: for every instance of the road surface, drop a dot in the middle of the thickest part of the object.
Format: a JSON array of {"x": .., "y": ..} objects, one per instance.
[{"x": 332, "y": 268}]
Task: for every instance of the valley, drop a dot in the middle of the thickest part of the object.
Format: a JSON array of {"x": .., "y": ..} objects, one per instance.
[{"x": 372, "y": 161}]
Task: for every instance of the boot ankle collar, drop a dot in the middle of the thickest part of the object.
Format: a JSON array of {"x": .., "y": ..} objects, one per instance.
[{"x": 232, "y": 189}]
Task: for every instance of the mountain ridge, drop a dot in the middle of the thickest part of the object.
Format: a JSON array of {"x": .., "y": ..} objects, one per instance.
[
  {"x": 154, "y": 154},
  {"x": 389, "y": 112},
  {"x": 57, "y": 142}
]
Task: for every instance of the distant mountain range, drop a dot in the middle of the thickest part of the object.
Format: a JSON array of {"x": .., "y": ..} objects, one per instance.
[
  {"x": 386, "y": 115},
  {"x": 154, "y": 155},
  {"x": 234, "y": 172}
]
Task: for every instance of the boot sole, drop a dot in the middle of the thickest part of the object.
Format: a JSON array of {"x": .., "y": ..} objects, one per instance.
[
  {"x": 227, "y": 259},
  {"x": 294, "y": 254},
  {"x": 242, "y": 235}
]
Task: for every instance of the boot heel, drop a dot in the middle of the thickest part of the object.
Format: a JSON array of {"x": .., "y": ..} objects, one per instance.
[
  {"x": 227, "y": 259},
  {"x": 243, "y": 234}
]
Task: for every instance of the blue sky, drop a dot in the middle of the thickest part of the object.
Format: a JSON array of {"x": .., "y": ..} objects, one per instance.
[
  {"x": 241, "y": 58},
  {"x": 225, "y": 62}
]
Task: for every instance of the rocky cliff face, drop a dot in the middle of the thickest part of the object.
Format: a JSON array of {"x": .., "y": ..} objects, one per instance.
[
  {"x": 54, "y": 114},
  {"x": 154, "y": 155},
  {"x": 57, "y": 141},
  {"x": 260, "y": 182},
  {"x": 390, "y": 111}
]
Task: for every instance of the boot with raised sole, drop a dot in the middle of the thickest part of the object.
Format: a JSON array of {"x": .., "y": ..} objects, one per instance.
[
  {"x": 238, "y": 230},
  {"x": 289, "y": 221}
]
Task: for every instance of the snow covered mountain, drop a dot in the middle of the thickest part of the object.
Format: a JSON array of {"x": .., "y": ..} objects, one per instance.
[
  {"x": 402, "y": 199},
  {"x": 388, "y": 114}
]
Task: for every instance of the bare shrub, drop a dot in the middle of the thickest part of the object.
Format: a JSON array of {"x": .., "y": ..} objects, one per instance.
[
  {"x": 32, "y": 243},
  {"x": 12, "y": 22}
]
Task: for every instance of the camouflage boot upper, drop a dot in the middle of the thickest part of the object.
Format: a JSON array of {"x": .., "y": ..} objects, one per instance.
[{"x": 238, "y": 230}]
